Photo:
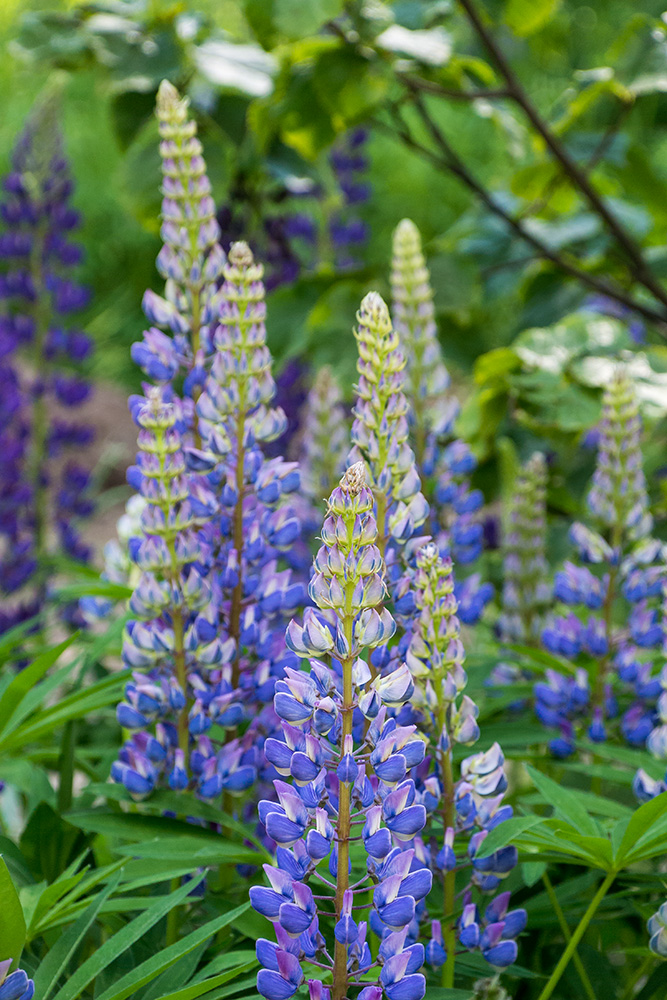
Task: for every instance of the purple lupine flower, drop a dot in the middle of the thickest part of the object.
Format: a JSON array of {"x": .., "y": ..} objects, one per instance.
[
  {"x": 180, "y": 341},
  {"x": 169, "y": 707},
  {"x": 613, "y": 593},
  {"x": 256, "y": 537},
  {"x": 657, "y": 929},
  {"x": 338, "y": 788},
  {"x": 41, "y": 506},
  {"x": 14, "y": 985},
  {"x": 444, "y": 463},
  {"x": 468, "y": 807}
]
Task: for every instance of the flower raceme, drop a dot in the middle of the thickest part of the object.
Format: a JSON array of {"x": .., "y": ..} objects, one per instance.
[
  {"x": 467, "y": 808},
  {"x": 179, "y": 343},
  {"x": 615, "y": 584},
  {"x": 345, "y": 822},
  {"x": 41, "y": 382},
  {"x": 443, "y": 462}
]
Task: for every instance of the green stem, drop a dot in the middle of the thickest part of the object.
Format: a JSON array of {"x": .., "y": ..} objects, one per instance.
[
  {"x": 448, "y": 820},
  {"x": 579, "y": 932},
  {"x": 172, "y": 917},
  {"x": 643, "y": 969},
  {"x": 583, "y": 975}
]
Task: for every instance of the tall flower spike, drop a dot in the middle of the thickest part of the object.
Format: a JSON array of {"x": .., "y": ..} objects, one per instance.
[
  {"x": 41, "y": 361},
  {"x": 434, "y": 409},
  {"x": 258, "y": 526},
  {"x": 380, "y": 427},
  {"x": 444, "y": 463},
  {"x": 191, "y": 259},
  {"x": 467, "y": 807},
  {"x": 618, "y": 581},
  {"x": 343, "y": 783},
  {"x": 526, "y": 591},
  {"x": 181, "y": 684},
  {"x": 617, "y": 498},
  {"x": 324, "y": 436}
]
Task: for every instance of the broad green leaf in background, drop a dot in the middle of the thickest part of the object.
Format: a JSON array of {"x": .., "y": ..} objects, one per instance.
[
  {"x": 12, "y": 922},
  {"x": 525, "y": 17},
  {"x": 298, "y": 18}
]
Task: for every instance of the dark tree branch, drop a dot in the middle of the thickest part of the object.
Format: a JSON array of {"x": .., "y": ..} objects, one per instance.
[
  {"x": 636, "y": 263},
  {"x": 448, "y": 159},
  {"x": 432, "y": 87}
]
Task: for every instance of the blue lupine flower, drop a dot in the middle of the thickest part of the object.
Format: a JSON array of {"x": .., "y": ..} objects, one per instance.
[
  {"x": 322, "y": 711},
  {"x": 14, "y": 985},
  {"x": 41, "y": 505}
]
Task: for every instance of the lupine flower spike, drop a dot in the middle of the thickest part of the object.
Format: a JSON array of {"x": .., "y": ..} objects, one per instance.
[
  {"x": 657, "y": 929},
  {"x": 467, "y": 807},
  {"x": 324, "y": 441},
  {"x": 444, "y": 463},
  {"x": 620, "y": 577},
  {"x": 526, "y": 591},
  {"x": 40, "y": 370},
  {"x": 433, "y": 407},
  {"x": 181, "y": 684},
  {"x": 380, "y": 428},
  {"x": 346, "y": 786},
  {"x": 191, "y": 260}
]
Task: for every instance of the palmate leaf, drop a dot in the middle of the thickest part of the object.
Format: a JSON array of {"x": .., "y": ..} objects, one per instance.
[
  {"x": 122, "y": 940},
  {"x": 565, "y": 802}
]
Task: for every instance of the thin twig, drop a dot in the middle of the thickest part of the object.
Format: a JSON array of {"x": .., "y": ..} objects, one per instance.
[
  {"x": 454, "y": 165},
  {"x": 636, "y": 263}
]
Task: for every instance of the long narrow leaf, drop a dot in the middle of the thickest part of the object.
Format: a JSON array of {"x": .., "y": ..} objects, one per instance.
[
  {"x": 59, "y": 956},
  {"x": 122, "y": 940},
  {"x": 156, "y": 964}
]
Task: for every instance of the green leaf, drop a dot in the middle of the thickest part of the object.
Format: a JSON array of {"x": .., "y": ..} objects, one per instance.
[
  {"x": 122, "y": 940},
  {"x": 525, "y": 17},
  {"x": 639, "y": 827},
  {"x": 508, "y": 831},
  {"x": 532, "y": 871},
  {"x": 201, "y": 989},
  {"x": 443, "y": 993},
  {"x": 298, "y": 18},
  {"x": 564, "y": 801},
  {"x": 59, "y": 956},
  {"x": 25, "y": 681},
  {"x": 217, "y": 851},
  {"x": 153, "y": 966},
  {"x": 12, "y": 921}
]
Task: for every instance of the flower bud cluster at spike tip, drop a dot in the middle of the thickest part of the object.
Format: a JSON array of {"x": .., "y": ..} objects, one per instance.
[
  {"x": 345, "y": 785},
  {"x": 615, "y": 593},
  {"x": 15, "y": 985},
  {"x": 617, "y": 499},
  {"x": 43, "y": 494},
  {"x": 380, "y": 427},
  {"x": 181, "y": 683},
  {"x": 526, "y": 590},
  {"x": 444, "y": 463},
  {"x": 324, "y": 437},
  {"x": 191, "y": 259},
  {"x": 434, "y": 409}
]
